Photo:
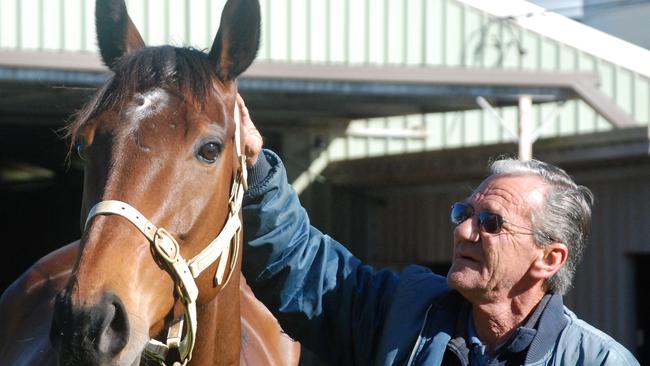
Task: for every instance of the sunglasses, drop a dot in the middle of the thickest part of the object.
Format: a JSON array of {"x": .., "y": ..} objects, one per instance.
[{"x": 489, "y": 221}]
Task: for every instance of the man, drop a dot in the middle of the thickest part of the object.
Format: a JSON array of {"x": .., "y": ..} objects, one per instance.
[{"x": 517, "y": 240}]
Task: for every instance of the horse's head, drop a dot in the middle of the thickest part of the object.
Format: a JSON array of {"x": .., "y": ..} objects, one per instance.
[{"x": 159, "y": 140}]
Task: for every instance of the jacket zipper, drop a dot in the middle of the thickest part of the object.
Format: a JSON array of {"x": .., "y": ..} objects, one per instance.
[{"x": 417, "y": 343}]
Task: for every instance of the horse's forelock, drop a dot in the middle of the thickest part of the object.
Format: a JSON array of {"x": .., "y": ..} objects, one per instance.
[{"x": 186, "y": 72}]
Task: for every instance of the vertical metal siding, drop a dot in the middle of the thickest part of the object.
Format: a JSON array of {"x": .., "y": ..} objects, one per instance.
[
  {"x": 420, "y": 32},
  {"x": 603, "y": 294},
  {"x": 415, "y": 230}
]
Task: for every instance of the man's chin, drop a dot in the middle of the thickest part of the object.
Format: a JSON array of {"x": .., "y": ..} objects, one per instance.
[
  {"x": 453, "y": 280},
  {"x": 462, "y": 279}
]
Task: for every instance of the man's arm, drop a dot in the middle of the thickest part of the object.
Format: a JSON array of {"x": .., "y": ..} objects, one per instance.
[{"x": 322, "y": 295}]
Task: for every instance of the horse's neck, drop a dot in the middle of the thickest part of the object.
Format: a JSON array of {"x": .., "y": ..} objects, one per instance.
[
  {"x": 263, "y": 340},
  {"x": 219, "y": 328}
]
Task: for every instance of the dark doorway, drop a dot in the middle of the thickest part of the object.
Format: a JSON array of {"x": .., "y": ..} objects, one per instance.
[
  {"x": 40, "y": 195},
  {"x": 642, "y": 278}
]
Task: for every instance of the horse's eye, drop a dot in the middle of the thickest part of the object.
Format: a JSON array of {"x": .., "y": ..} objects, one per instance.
[
  {"x": 80, "y": 146},
  {"x": 210, "y": 152}
]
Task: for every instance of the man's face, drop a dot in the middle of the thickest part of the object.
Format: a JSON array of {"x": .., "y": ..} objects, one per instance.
[{"x": 488, "y": 267}]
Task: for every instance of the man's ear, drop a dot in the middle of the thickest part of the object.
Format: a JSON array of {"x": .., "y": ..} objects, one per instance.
[{"x": 550, "y": 260}]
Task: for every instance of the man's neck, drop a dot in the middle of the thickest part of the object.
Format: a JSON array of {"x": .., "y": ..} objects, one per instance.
[{"x": 495, "y": 322}]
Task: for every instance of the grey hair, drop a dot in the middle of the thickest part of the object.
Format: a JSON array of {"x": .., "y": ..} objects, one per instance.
[{"x": 565, "y": 217}]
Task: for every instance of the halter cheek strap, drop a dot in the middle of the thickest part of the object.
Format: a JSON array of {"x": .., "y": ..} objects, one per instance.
[{"x": 183, "y": 272}]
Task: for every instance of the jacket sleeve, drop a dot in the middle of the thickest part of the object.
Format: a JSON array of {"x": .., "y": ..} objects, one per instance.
[{"x": 322, "y": 295}]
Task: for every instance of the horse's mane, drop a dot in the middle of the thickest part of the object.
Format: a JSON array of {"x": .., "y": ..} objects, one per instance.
[{"x": 183, "y": 71}]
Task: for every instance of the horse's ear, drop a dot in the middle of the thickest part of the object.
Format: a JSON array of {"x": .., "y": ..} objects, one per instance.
[
  {"x": 235, "y": 47},
  {"x": 116, "y": 33}
]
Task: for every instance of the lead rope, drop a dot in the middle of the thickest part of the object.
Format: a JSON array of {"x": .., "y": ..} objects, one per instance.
[{"x": 183, "y": 272}]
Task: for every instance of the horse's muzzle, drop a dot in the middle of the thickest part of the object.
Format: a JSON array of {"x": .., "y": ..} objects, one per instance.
[{"x": 89, "y": 335}]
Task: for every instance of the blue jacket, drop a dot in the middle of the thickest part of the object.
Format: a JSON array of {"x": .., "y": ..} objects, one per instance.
[{"x": 350, "y": 314}]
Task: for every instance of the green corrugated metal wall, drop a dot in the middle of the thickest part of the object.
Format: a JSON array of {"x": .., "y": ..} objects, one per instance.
[{"x": 413, "y": 32}]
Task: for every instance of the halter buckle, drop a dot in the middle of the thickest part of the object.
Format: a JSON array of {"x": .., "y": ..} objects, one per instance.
[
  {"x": 166, "y": 246},
  {"x": 168, "y": 249}
]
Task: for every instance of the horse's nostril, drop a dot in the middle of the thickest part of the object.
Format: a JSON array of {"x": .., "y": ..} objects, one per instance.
[
  {"x": 113, "y": 334},
  {"x": 89, "y": 335}
]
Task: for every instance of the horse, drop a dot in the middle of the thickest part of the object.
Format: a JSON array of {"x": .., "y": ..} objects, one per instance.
[{"x": 155, "y": 277}]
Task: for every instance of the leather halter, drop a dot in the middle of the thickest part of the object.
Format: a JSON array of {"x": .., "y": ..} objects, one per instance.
[{"x": 183, "y": 272}]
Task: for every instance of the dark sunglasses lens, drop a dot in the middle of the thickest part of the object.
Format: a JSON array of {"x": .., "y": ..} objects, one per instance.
[
  {"x": 460, "y": 212},
  {"x": 490, "y": 222}
]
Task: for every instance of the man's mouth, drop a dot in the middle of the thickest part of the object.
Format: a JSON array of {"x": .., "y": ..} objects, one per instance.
[{"x": 466, "y": 257}]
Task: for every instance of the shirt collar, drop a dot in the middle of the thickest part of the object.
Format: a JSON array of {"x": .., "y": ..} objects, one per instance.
[{"x": 522, "y": 338}]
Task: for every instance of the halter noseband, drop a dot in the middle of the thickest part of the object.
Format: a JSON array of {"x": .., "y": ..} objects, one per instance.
[{"x": 183, "y": 272}]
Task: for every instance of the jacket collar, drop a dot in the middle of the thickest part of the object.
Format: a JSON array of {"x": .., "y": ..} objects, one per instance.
[
  {"x": 539, "y": 333},
  {"x": 551, "y": 323}
]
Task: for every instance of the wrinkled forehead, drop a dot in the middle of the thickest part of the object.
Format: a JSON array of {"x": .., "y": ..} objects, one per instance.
[{"x": 521, "y": 192}]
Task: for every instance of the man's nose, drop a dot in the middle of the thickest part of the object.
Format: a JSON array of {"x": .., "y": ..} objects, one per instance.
[{"x": 467, "y": 231}]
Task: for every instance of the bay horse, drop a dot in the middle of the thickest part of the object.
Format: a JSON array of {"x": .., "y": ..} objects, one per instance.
[{"x": 155, "y": 277}]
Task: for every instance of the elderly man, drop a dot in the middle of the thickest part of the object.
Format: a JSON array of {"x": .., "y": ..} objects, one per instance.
[{"x": 517, "y": 240}]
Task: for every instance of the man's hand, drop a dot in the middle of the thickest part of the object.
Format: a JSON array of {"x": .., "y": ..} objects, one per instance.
[{"x": 252, "y": 139}]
